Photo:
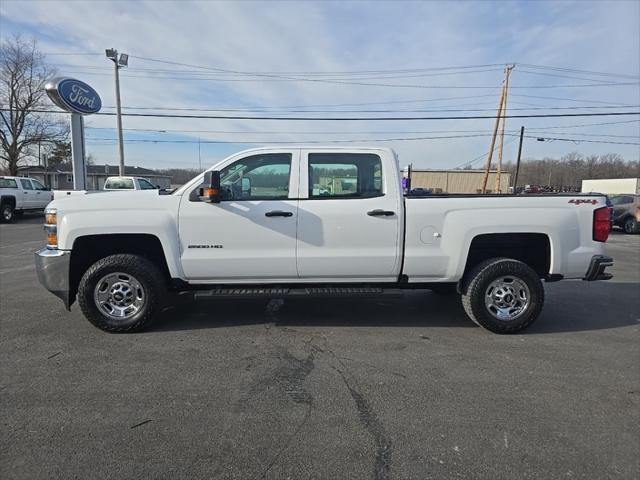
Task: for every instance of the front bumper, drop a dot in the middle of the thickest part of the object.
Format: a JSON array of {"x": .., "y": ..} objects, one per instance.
[
  {"x": 597, "y": 267},
  {"x": 52, "y": 267}
]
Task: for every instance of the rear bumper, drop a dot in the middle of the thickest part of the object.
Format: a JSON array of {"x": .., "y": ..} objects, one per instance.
[
  {"x": 52, "y": 267},
  {"x": 596, "y": 268}
]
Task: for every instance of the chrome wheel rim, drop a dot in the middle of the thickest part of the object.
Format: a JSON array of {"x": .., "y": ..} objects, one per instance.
[
  {"x": 6, "y": 213},
  {"x": 119, "y": 295},
  {"x": 507, "y": 298}
]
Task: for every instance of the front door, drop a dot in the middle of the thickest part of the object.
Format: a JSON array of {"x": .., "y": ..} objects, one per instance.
[
  {"x": 250, "y": 236},
  {"x": 348, "y": 218}
]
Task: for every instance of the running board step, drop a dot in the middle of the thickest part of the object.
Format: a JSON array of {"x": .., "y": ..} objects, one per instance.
[{"x": 295, "y": 292}]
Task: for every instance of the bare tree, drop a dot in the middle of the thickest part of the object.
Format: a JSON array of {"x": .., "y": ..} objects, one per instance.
[{"x": 23, "y": 74}]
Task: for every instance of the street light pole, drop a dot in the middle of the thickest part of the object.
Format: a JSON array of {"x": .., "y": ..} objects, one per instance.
[
  {"x": 119, "y": 116},
  {"x": 118, "y": 63}
]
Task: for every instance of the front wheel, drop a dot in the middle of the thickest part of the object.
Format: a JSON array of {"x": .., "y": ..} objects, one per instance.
[
  {"x": 121, "y": 293},
  {"x": 503, "y": 295}
]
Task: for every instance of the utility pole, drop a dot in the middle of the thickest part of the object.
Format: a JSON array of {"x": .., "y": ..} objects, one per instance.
[
  {"x": 493, "y": 143},
  {"x": 515, "y": 180},
  {"x": 118, "y": 63},
  {"x": 199, "y": 159},
  {"x": 501, "y": 105},
  {"x": 504, "y": 121}
]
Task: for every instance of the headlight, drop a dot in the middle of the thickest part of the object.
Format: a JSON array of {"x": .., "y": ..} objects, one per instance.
[{"x": 51, "y": 227}]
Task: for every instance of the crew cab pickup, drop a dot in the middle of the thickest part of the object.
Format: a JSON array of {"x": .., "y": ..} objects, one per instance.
[
  {"x": 281, "y": 222},
  {"x": 21, "y": 194}
]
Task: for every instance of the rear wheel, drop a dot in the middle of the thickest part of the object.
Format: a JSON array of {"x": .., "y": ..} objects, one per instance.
[
  {"x": 631, "y": 225},
  {"x": 6, "y": 212},
  {"x": 503, "y": 295},
  {"x": 121, "y": 293}
]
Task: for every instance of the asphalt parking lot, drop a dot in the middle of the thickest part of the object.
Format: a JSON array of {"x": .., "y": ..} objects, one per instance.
[{"x": 325, "y": 389}]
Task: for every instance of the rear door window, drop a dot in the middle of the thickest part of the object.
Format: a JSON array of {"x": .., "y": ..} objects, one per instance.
[
  {"x": 38, "y": 185},
  {"x": 119, "y": 184},
  {"x": 26, "y": 184},
  {"x": 344, "y": 175},
  {"x": 145, "y": 185}
]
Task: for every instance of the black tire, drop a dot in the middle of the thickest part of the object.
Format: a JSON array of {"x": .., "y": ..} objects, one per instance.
[
  {"x": 144, "y": 272},
  {"x": 477, "y": 283},
  {"x": 7, "y": 213},
  {"x": 631, "y": 225}
]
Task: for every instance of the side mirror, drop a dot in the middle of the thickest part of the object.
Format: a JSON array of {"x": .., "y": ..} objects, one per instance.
[{"x": 210, "y": 193}]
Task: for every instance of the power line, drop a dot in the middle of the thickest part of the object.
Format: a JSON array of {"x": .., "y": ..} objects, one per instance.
[
  {"x": 586, "y": 125},
  {"x": 573, "y": 70},
  {"x": 557, "y": 75},
  {"x": 482, "y": 156},
  {"x": 360, "y": 83},
  {"x": 193, "y": 109},
  {"x": 364, "y": 140},
  {"x": 421, "y": 132},
  {"x": 337, "y": 119},
  {"x": 565, "y": 99},
  {"x": 579, "y": 140}
]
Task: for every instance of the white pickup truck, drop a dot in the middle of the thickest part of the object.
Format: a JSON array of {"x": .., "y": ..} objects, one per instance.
[
  {"x": 21, "y": 194},
  {"x": 281, "y": 222}
]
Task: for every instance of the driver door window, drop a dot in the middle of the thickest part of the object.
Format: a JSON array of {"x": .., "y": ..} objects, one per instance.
[{"x": 259, "y": 177}]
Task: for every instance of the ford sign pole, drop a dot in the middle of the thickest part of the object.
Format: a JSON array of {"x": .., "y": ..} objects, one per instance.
[
  {"x": 79, "y": 99},
  {"x": 77, "y": 152}
]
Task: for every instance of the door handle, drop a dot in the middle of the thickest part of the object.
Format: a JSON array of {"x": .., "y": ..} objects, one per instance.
[
  {"x": 380, "y": 213},
  {"x": 278, "y": 213}
]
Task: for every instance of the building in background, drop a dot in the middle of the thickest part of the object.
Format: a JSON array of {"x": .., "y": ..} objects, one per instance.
[
  {"x": 60, "y": 177},
  {"x": 457, "y": 181},
  {"x": 610, "y": 186}
]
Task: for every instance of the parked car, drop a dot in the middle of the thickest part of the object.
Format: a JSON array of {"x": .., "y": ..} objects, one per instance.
[
  {"x": 21, "y": 194},
  {"x": 128, "y": 183},
  {"x": 626, "y": 212},
  {"x": 253, "y": 225}
]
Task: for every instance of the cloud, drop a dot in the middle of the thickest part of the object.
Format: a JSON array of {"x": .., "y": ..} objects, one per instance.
[{"x": 334, "y": 37}]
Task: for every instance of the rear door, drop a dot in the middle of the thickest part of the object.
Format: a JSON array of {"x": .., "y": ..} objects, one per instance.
[
  {"x": 42, "y": 195},
  {"x": 349, "y": 217}
]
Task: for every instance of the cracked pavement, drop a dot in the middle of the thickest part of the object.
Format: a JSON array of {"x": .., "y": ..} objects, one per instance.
[{"x": 378, "y": 389}]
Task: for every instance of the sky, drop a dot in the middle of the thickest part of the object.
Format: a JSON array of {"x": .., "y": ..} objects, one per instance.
[{"x": 341, "y": 59}]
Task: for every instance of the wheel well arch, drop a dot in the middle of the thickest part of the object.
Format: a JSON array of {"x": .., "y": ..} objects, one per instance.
[
  {"x": 533, "y": 249},
  {"x": 89, "y": 249},
  {"x": 11, "y": 200}
]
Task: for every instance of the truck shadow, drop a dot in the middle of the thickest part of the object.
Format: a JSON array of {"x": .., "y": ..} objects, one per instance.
[{"x": 570, "y": 307}]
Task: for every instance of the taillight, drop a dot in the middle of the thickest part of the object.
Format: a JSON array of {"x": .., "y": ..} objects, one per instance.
[{"x": 601, "y": 224}]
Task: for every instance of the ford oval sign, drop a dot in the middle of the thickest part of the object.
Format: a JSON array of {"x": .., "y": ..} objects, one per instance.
[{"x": 73, "y": 96}]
